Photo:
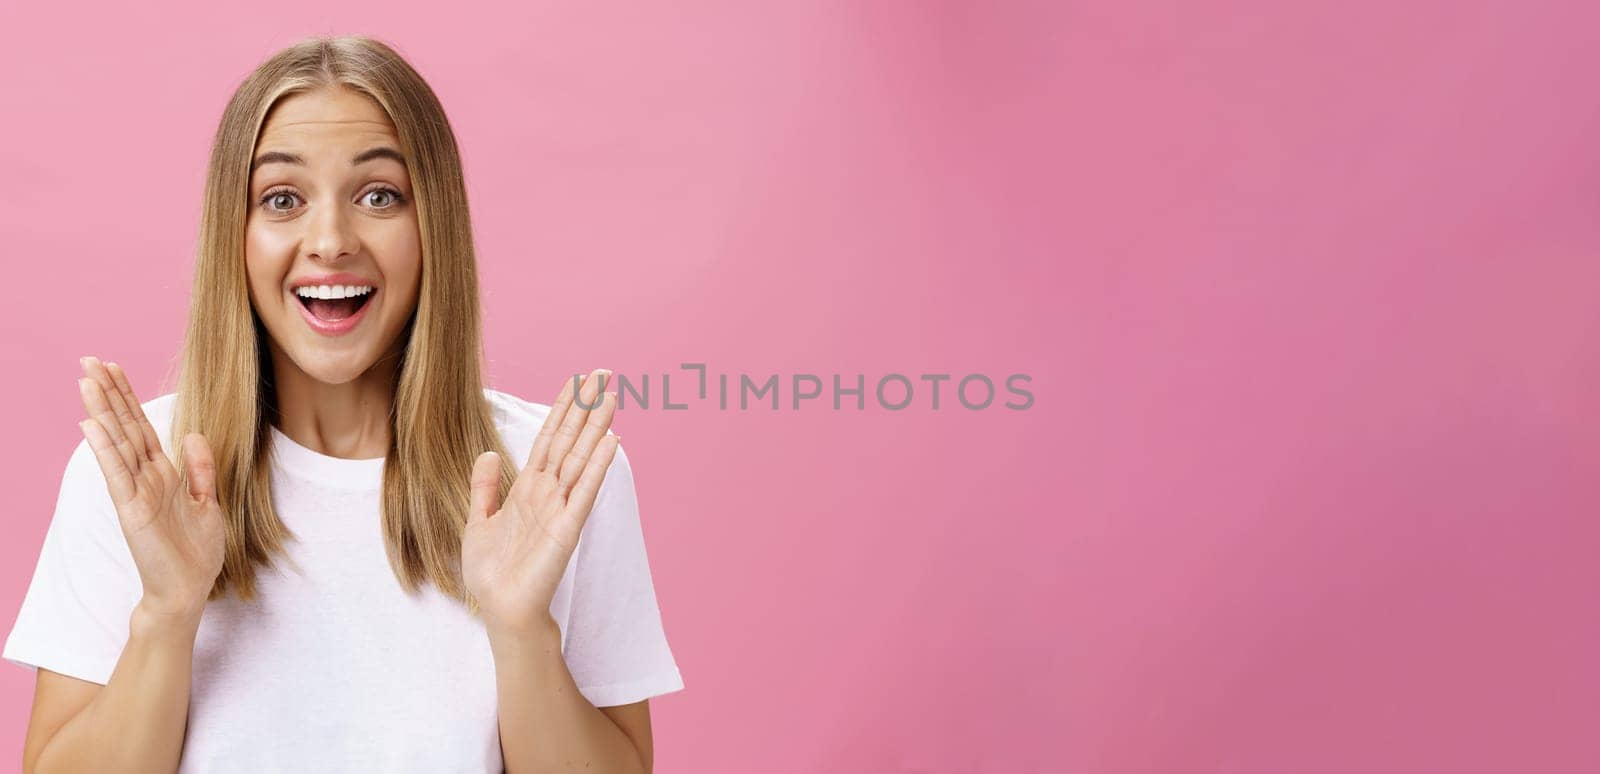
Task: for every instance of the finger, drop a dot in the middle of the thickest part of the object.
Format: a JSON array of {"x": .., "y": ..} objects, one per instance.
[
  {"x": 119, "y": 482},
  {"x": 485, "y": 487},
  {"x": 558, "y": 411},
  {"x": 96, "y": 403},
  {"x": 594, "y": 473},
  {"x": 152, "y": 440},
  {"x": 596, "y": 428},
  {"x": 572, "y": 425},
  {"x": 119, "y": 407},
  {"x": 202, "y": 468},
  {"x": 128, "y": 424}
]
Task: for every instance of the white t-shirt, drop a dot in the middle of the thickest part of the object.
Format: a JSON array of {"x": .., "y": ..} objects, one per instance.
[{"x": 334, "y": 667}]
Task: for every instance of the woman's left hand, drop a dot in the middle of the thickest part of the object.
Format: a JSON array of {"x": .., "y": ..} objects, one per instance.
[{"x": 514, "y": 554}]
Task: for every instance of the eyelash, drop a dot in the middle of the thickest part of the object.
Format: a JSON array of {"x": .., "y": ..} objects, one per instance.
[{"x": 266, "y": 197}]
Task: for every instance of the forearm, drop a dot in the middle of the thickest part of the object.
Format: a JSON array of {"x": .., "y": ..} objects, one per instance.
[
  {"x": 546, "y": 725},
  {"x": 136, "y": 722}
]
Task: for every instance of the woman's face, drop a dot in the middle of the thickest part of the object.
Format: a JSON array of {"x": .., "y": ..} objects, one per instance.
[{"x": 332, "y": 249}]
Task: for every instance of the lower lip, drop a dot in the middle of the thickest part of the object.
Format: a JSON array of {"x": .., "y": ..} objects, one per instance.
[{"x": 334, "y": 327}]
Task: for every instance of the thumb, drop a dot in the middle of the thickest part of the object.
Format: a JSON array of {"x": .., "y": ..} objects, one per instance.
[
  {"x": 202, "y": 469},
  {"x": 485, "y": 487}
]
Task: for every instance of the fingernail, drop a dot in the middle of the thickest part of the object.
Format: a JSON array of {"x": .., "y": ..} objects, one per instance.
[{"x": 83, "y": 361}]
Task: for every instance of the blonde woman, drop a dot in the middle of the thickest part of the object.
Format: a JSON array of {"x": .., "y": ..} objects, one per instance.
[{"x": 355, "y": 557}]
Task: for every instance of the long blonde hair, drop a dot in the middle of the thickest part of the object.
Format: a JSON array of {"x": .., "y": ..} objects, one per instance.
[{"x": 441, "y": 419}]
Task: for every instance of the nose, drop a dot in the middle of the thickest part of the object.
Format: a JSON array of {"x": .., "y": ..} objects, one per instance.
[{"x": 330, "y": 236}]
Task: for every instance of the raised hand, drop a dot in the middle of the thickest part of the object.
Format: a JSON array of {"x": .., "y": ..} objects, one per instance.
[
  {"x": 175, "y": 533},
  {"x": 513, "y": 554}
]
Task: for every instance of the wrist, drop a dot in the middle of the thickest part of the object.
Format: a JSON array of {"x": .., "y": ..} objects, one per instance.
[
  {"x": 541, "y": 633},
  {"x": 155, "y": 617}
]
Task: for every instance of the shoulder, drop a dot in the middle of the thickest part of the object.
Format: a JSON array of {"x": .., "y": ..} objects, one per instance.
[
  {"x": 160, "y": 406},
  {"x": 519, "y": 420},
  {"x": 84, "y": 506},
  {"x": 158, "y": 411},
  {"x": 515, "y": 414}
]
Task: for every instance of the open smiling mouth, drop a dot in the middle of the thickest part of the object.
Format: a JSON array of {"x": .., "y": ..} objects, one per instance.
[{"x": 332, "y": 305}]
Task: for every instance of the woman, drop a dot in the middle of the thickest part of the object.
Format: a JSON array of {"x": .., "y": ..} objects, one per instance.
[{"x": 347, "y": 566}]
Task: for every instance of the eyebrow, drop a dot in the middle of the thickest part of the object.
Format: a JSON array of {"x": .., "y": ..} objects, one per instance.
[
  {"x": 275, "y": 157},
  {"x": 380, "y": 152},
  {"x": 279, "y": 157}
]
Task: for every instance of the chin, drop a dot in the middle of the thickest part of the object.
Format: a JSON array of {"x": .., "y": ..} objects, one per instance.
[{"x": 331, "y": 367}]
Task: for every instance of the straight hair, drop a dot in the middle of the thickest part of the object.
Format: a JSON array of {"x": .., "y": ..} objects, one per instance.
[{"x": 441, "y": 419}]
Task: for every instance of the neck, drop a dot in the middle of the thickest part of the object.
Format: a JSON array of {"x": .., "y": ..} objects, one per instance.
[{"x": 348, "y": 420}]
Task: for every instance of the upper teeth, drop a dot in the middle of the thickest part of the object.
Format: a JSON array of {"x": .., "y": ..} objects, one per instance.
[{"x": 332, "y": 291}]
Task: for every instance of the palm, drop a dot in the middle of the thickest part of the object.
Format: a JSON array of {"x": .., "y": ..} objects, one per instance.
[
  {"x": 513, "y": 556},
  {"x": 175, "y": 534},
  {"x": 176, "y": 541}
]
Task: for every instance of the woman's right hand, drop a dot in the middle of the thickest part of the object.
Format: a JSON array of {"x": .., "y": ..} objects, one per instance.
[{"x": 176, "y": 537}]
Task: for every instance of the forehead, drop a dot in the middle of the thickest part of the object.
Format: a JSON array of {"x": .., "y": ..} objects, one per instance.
[{"x": 328, "y": 116}]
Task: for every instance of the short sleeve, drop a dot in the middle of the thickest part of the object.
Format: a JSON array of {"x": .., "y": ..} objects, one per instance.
[
  {"x": 74, "y": 616},
  {"x": 614, "y": 643}
]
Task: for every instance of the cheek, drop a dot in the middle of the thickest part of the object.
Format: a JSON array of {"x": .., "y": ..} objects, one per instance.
[
  {"x": 397, "y": 246},
  {"x": 267, "y": 256}
]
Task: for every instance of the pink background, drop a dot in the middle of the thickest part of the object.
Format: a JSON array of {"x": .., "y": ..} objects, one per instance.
[{"x": 1307, "y": 292}]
